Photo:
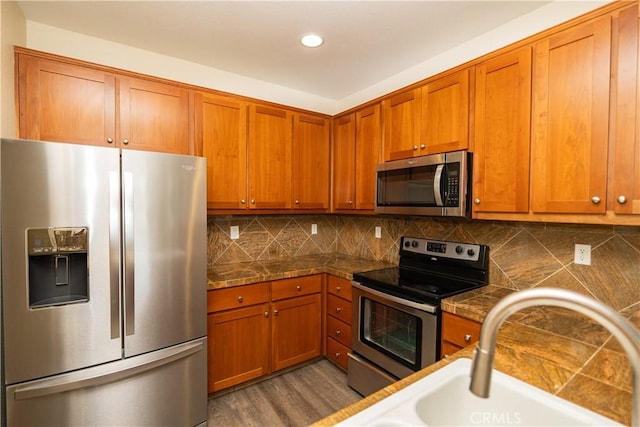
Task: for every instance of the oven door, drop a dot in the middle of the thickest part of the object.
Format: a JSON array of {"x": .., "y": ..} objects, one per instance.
[{"x": 397, "y": 335}]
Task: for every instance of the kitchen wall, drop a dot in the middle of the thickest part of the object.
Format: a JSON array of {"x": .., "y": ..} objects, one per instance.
[
  {"x": 523, "y": 255},
  {"x": 12, "y": 32}
]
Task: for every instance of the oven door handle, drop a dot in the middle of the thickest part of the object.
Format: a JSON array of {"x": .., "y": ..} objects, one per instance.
[{"x": 418, "y": 306}]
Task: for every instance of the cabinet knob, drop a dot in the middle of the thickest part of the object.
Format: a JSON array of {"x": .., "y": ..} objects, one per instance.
[
  {"x": 337, "y": 355},
  {"x": 338, "y": 288},
  {"x": 415, "y": 147},
  {"x": 350, "y": 202},
  {"x": 338, "y": 309},
  {"x": 297, "y": 202},
  {"x": 266, "y": 314},
  {"x": 467, "y": 337},
  {"x": 422, "y": 146},
  {"x": 243, "y": 201},
  {"x": 338, "y": 332},
  {"x": 298, "y": 288},
  {"x": 240, "y": 299},
  {"x": 253, "y": 201},
  {"x": 621, "y": 199},
  {"x": 110, "y": 140},
  {"x": 275, "y": 312},
  {"x": 595, "y": 200},
  {"x": 476, "y": 201},
  {"x": 125, "y": 141}
]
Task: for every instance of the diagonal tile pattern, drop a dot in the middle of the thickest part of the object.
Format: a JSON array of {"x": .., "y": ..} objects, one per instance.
[{"x": 523, "y": 255}]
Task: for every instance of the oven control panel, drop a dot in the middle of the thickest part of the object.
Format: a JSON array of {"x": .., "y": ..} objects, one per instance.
[{"x": 452, "y": 250}]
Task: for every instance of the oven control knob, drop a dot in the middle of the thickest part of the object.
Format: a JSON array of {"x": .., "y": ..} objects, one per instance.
[
  {"x": 407, "y": 244},
  {"x": 471, "y": 252},
  {"x": 459, "y": 249},
  {"x": 414, "y": 244}
]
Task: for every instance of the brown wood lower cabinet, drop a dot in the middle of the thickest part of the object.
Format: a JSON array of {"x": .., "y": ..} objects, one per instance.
[
  {"x": 257, "y": 329},
  {"x": 338, "y": 320},
  {"x": 457, "y": 332}
]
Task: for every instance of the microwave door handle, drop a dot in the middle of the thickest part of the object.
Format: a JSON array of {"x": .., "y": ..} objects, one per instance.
[{"x": 436, "y": 185}]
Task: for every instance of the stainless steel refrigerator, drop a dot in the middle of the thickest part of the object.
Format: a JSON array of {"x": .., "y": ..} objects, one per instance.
[{"x": 103, "y": 286}]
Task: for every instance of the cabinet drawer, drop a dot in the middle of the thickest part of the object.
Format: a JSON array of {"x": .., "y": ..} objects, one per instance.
[
  {"x": 339, "y": 287},
  {"x": 459, "y": 330},
  {"x": 339, "y": 331},
  {"x": 237, "y": 296},
  {"x": 337, "y": 353},
  {"x": 339, "y": 308},
  {"x": 288, "y": 288}
]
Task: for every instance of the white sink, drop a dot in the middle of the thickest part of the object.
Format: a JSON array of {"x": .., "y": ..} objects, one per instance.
[{"x": 443, "y": 398}]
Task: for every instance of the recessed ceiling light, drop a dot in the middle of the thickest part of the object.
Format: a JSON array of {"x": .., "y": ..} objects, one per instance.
[{"x": 311, "y": 40}]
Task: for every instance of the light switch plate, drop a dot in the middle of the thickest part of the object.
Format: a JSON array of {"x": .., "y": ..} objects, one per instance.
[
  {"x": 582, "y": 255},
  {"x": 234, "y": 232},
  {"x": 314, "y": 228},
  {"x": 378, "y": 232}
]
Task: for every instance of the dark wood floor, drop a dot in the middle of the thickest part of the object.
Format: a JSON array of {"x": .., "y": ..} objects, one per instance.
[{"x": 296, "y": 398}]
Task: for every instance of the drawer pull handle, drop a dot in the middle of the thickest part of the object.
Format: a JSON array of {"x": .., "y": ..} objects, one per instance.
[
  {"x": 467, "y": 337},
  {"x": 298, "y": 288},
  {"x": 266, "y": 314},
  {"x": 337, "y": 355},
  {"x": 338, "y": 288},
  {"x": 240, "y": 299},
  {"x": 338, "y": 332},
  {"x": 338, "y": 309},
  {"x": 275, "y": 312}
]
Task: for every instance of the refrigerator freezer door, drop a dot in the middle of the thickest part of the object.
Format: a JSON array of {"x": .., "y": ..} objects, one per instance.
[
  {"x": 46, "y": 185},
  {"x": 165, "y": 252},
  {"x": 163, "y": 388}
]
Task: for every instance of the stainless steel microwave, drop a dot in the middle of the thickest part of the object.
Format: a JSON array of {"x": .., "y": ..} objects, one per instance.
[{"x": 436, "y": 185}]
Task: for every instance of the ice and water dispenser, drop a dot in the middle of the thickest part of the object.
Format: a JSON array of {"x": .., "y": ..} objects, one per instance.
[{"x": 58, "y": 267}]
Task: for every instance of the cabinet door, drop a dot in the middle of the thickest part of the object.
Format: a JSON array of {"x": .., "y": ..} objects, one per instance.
[
  {"x": 502, "y": 133},
  {"x": 154, "y": 116},
  {"x": 445, "y": 114},
  {"x": 221, "y": 131},
  {"x": 238, "y": 346},
  {"x": 310, "y": 162},
  {"x": 344, "y": 162},
  {"x": 270, "y": 136},
  {"x": 402, "y": 114},
  {"x": 570, "y": 119},
  {"x": 367, "y": 156},
  {"x": 296, "y": 330},
  {"x": 626, "y": 154},
  {"x": 65, "y": 103}
]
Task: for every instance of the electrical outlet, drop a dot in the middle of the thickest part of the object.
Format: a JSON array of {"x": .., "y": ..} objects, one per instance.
[
  {"x": 582, "y": 254},
  {"x": 314, "y": 228},
  {"x": 234, "y": 232},
  {"x": 378, "y": 232}
]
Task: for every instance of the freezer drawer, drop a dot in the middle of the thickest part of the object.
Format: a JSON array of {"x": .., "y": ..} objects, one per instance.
[{"x": 164, "y": 388}]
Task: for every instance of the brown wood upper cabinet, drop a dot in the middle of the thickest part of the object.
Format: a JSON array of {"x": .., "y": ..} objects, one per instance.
[
  {"x": 445, "y": 114},
  {"x": 502, "y": 129},
  {"x": 221, "y": 132},
  {"x": 311, "y": 158},
  {"x": 67, "y": 102},
  {"x": 356, "y": 151},
  {"x": 431, "y": 119},
  {"x": 570, "y": 119}
]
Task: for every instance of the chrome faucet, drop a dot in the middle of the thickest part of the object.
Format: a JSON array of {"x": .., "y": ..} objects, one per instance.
[{"x": 620, "y": 327}]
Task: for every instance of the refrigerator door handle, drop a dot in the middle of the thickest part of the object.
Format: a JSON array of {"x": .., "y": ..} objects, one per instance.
[
  {"x": 129, "y": 271},
  {"x": 108, "y": 373},
  {"x": 114, "y": 253}
]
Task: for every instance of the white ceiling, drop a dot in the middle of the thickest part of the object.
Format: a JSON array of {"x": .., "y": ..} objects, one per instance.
[{"x": 365, "y": 41}]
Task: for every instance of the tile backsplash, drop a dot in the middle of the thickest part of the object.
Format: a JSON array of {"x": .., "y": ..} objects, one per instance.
[{"x": 523, "y": 255}]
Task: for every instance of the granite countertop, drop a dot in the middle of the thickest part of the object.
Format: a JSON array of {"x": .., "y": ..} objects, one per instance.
[{"x": 553, "y": 349}]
